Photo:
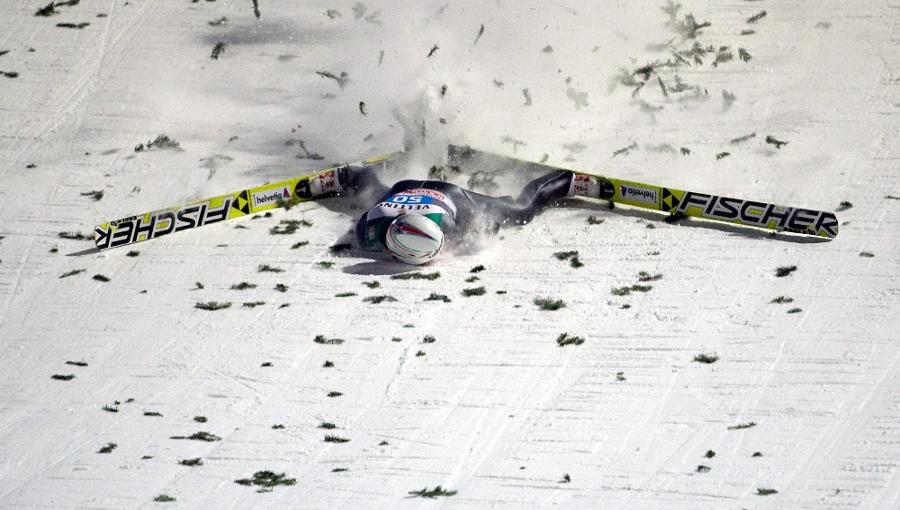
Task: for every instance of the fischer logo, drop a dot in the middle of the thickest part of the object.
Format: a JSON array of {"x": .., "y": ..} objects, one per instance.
[
  {"x": 269, "y": 196},
  {"x": 139, "y": 228},
  {"x": 638, "y": 194},
  {"x": 760, "y": 214}
]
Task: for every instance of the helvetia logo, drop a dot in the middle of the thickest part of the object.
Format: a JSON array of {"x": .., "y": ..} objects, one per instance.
[
  {"x": 638, "y": 194},
  {"x": 270, "y": 196}
]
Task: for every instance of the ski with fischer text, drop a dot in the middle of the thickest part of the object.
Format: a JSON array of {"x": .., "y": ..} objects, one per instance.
[
  {"x": 690, "y": 204},
  {"x": 150, "y": 225}
]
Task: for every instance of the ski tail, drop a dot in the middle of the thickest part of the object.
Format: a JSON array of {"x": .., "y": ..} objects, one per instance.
[
  {"x": 690, "y": 204},
  {"x": 153, "y": 224}
]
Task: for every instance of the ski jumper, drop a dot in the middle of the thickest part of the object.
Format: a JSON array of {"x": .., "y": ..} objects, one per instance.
[{"x": 453, "y": 208}]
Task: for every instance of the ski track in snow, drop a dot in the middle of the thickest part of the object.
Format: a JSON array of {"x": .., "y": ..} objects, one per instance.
[{"x": 494, "y": 409}]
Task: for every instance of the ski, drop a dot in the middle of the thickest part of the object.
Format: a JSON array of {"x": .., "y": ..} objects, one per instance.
[
  {"x": 229, "y": 206},
  {"x": 674, "y": 201}
]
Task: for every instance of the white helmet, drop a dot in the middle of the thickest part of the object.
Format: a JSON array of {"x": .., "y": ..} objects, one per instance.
[{"x": 414, "y": 239}]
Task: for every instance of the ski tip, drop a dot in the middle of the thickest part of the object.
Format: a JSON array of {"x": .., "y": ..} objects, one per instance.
[{"x": 826, "y": 226}]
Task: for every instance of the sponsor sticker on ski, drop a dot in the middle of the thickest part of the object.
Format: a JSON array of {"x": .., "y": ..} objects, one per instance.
[
  {"x": 270, "y": 196},
  {"x": 638, "y": 194}
]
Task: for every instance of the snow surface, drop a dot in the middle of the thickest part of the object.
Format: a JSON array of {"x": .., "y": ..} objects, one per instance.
[{"x": 494, "y": 409}]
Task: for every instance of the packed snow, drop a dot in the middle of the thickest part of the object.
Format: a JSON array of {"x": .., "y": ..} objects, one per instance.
[{"x": 670, "y": 367}]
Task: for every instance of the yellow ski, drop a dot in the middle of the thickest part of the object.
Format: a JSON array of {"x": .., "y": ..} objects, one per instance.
[
  {"x": 675, "y": 201},
  {"x": 150, "y": 225},
  {"x": 692, "y": 204}
]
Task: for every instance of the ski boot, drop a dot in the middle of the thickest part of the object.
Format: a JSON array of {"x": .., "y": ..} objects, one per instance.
[
  {"x": 591, "y": 186},
  {"x": 326, "y": 182}
]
